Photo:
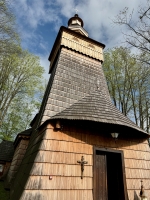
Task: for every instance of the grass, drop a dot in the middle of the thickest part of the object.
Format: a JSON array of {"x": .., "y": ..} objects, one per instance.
[{"x": 4, "y": 195}]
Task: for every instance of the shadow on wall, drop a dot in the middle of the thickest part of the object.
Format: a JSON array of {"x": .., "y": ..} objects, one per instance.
[
  {"x": 136, "y": 196},
  {"x": 99, "y": 134}
]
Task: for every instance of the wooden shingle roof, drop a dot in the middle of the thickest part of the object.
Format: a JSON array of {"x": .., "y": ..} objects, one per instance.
[
  {"x": 24, "y": 134},
  {"x": 6, "y": 150},
  {"x": 96, "y": 107}
]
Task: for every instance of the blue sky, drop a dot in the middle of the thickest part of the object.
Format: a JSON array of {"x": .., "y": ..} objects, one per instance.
[{"x": 39, "y": 21}]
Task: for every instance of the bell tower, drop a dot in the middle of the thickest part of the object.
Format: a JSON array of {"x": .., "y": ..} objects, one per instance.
[{"x": 75, "y": 67}]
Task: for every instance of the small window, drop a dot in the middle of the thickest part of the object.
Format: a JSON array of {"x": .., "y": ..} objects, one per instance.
[
  {"x": 76, "y": 22},
  {"x": 1, "y": 167},
  {"x": 73, "y": 21}
]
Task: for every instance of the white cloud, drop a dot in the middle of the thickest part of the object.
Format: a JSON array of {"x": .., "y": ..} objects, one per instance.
[
  {"x": 35, "y": 12},
  {"x": 97, "y": 16},
  {"x": 67, "y": 7}
]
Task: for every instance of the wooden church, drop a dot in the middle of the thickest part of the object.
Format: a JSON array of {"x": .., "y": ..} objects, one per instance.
[{"x": 80, "y": 146}]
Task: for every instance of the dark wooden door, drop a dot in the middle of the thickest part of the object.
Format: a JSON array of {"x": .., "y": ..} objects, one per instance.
[
  {"x": 101, "y": 176},
  {"x": 108, "y": 176}
]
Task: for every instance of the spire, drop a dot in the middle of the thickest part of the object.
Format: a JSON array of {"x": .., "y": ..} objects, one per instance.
[{"x": 76, "y": 24}]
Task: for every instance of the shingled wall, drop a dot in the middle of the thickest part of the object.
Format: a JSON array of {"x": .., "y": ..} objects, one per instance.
[
  {"x": 55, "y": 153},
  {"x": 15, "y": 164},
  {"x": 76, "y": 76}
]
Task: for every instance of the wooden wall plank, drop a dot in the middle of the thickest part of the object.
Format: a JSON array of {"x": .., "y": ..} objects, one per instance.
[
  {"x": 94, "y": 139},
  {"x": 137, "y": 164},
  {"x": 55, "y": 145},
  {"x": 139, "y": 155},
  {"x": 137, "y": 173},
  {"x": 56, "y": 153},
  {"x": 134, "y": 194},
  {"x": 17, "y": 159},
  {"x": 60, "y": 170},
  {"x": 58, "y": 195},
  {"x": 65, "y": 136},
  {"x": 136, "y": 183},
  {"x": 61, "y": 157},
  {"x": 58, "y": 182}
]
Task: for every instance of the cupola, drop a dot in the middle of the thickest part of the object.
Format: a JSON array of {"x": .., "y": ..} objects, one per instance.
[{"x": 76, "y": 24}]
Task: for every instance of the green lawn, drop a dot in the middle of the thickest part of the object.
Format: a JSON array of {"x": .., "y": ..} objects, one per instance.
[{"x": 4, "y": 195}]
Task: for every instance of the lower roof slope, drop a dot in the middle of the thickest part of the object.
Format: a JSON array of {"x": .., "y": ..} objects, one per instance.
[
  {"x": 6, "y": 150},
  {"x": 96, "y": 107},
  {"x": 23, "y": 134}
]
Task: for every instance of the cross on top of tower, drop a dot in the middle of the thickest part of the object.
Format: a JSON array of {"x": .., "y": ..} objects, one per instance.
[{"x": 76, "y": 10}]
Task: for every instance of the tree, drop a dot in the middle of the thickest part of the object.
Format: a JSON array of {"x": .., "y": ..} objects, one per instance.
[
  {"x": 20, "y": 88},
  {"x": 139, "y": 34},
  {"x": 21, "y": 85},
  {"x": 19, "y": 116},
  {"x": 9, "y": 38},
  {"x": 128, "y": 84}
]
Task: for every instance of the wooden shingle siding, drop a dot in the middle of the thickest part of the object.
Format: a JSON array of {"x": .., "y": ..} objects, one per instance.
[
  {"x": 59, "y": 170},
  {"x": 58, "y": 182},
  {"x": 66, "y": 174},
  {"x": 134, "y": 194},
  {"x": 138, "y": 154},
  {"x": 75, "y": 77},
  {"x": 58, "y": 195},
  {"x": 61, "y": 157},
  {"x": 55, "y": 153},
  {"x": 65, "y": 146},
  {"x": 17, "y": 158}
]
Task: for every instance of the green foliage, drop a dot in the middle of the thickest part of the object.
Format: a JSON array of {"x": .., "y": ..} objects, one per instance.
[
  {"x": 21, "y": 86},
  {"x": 129, "y": 84},
  {"x": 9, "y": 38},
  {"x": 138, "y": 36},
  {"x": 21, "y": 89},
  {"x": 4, "y": 195}
]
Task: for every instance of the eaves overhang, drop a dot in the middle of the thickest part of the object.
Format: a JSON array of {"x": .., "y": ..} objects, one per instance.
[
  {"x": 97, "y": 107},
  {"x": 23, "y": 135}
]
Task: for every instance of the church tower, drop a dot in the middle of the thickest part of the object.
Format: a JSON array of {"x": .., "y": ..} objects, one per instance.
[
  {"x": 71, "y": 153},
  {"x": 75, "y": 67}
]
